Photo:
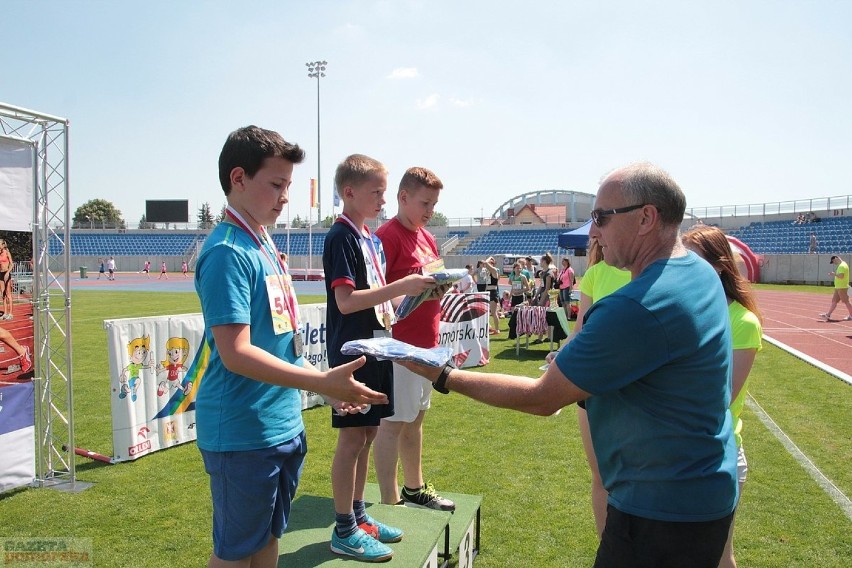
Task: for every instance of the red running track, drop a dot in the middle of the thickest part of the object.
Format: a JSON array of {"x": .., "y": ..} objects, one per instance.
[
  {"x": 792, "y": 318},
  {"x": 21, "y": 328}
]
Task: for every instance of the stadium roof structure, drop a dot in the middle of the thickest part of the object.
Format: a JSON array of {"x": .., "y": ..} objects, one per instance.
[{"x": 577, "y": 204}]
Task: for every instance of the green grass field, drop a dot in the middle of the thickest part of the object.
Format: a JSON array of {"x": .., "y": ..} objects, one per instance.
[{"x": 531, "y": 471}]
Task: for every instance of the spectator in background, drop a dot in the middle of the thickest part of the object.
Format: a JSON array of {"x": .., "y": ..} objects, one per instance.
[
  {"x": 465, "y": 285},
  {"x": 491, "y": 287},
  {"x": 813, "y": 246},
  {"x": 481, "y": 276},
  {"x": 519, "y": 285},
  {"x": 163, "y": 272},
  {"x": 111, "y": 268},
  {"x": 546, "y": 277},
  {"x": 528, "y": 270},
  {"x": 102, "y": 269},
  {"x": 566, "y": 285},
  {"x": 6, "y": 266},
  {"x": 841, "y": 287}
]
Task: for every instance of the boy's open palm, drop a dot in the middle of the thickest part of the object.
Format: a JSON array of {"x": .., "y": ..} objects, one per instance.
[{"x": 342, "y": 385}]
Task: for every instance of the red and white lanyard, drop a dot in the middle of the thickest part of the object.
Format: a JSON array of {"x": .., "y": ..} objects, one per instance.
[
  {"x": 386, "y": 307},
  {"x": 278, "y": 266}
]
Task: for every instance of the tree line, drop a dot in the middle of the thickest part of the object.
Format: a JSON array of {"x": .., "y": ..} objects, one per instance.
[{"x": 103, "y": 214}]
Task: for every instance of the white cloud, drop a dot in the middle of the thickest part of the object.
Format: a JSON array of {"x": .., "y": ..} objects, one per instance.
[
  {"x": 429, "y": 102},
  {"x": 404, "y": 73},
  {"x": 461, "y": 103}
]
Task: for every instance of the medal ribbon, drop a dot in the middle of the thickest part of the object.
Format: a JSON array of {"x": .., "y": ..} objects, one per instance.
[
  {"x": 278, "y": 267},
  {"x": 374, "y": 258}
]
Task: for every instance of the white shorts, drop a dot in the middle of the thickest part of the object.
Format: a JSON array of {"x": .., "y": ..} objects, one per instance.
[
  {"x": 411, "y": 394},
  {"x": 742, "y": 466}
]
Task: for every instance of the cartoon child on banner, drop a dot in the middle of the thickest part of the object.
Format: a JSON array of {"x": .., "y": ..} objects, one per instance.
[
  {"x": 139, "y": 350},
  {"x": 177, "y": 350}
]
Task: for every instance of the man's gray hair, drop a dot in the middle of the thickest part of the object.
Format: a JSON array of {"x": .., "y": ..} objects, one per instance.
[{"x": 646, "y": 183}]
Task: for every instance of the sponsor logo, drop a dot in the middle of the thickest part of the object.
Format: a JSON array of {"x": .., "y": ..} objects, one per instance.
[{"x": 139, "y": 448}]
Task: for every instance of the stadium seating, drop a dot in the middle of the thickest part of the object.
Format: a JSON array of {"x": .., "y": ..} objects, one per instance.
[
  {"x": 299, "y": 243},
  {"x": 533, "y": 242},
  {"x": 129, "y": 244},
  {"x": 834, "y": 235},
  {"x": 166, "y": 244},
  {"x": 177, "y": 244}
]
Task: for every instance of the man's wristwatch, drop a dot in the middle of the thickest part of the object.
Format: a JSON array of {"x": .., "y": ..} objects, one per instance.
[{"x": 441, "y": 382}]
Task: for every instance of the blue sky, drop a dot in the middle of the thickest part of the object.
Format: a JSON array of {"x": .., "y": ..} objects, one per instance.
[{"x": 741, "y": 101}]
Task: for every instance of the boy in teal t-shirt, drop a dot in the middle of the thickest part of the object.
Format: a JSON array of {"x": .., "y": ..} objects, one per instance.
[{"x": 250, "y": 368}]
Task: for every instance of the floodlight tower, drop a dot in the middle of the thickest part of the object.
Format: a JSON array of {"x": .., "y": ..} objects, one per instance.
[{"x": 316, "y": 69}]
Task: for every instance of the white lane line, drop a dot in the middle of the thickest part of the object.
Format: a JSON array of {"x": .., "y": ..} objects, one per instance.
[
  {"x": 825, "y": 483},
  {"x": 808, "y": 359}
]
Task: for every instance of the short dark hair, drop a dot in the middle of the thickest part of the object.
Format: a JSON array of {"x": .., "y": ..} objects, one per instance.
[{"x": 248, "y": 147}]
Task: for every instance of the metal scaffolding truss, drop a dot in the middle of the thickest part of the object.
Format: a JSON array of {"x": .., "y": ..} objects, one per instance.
[{"x": 51, "y": 292}]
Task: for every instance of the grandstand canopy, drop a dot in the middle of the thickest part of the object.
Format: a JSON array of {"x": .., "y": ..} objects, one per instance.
[{"x": 577, "y": 204}]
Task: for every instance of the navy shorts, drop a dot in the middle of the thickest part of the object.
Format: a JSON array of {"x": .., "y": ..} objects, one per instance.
[
  {"x": 252, "y": 491},
  {"x": 378, "y": 375}
]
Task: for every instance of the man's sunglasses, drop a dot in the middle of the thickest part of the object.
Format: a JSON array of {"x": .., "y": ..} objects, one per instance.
[{"x": 599, "y": 215}]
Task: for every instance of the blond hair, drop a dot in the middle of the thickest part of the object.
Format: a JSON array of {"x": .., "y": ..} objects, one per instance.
[{"x": 355, "y": 170}]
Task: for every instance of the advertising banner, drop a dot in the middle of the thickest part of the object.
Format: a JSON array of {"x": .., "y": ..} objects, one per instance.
[
  {"x": 153, "y": 380},
  {"x": 17, "y": 398},
  {"x": 464, "y": 328},
  {"x": 17, "y": 435}
]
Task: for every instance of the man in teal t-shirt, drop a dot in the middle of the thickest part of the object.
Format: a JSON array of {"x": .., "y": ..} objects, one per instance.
[{"x": 653, "y": 363}]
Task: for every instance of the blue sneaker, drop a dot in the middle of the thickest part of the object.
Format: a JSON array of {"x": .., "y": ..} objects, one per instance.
[
  {"x": 380, "y": 531},
  {"x": 360, "y": 545}
]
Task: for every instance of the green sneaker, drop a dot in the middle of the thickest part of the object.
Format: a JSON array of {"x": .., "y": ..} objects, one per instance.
[
  {"x": 427, "y": 498},
  {"x": 360, "y": 545}
]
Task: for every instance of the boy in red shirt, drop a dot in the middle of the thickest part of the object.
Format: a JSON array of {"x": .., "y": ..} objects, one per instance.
[{"x": 410, "y": 249}]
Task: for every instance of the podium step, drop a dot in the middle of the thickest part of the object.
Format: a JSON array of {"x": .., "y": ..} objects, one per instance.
[
  {"x": 464, "y": 523},
  {"x": 305, "y": 543}
]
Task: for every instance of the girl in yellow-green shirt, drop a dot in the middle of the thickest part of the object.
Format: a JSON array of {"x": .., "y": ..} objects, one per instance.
[{"x": 711, "y": 244}]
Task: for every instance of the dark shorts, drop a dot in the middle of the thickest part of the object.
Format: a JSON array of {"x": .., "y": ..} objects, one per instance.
[
  {"x": 480, "y": 287},
  {"x": 517, "y": 300},
  {"x": 492, "y": 296},
  {"x": 378, "y": 375},
  {"x": 252, "y": 491},
  {"x": 635, "y": 542}
]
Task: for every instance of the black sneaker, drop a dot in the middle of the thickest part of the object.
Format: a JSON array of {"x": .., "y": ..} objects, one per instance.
[{"x": 427, "y": 498}]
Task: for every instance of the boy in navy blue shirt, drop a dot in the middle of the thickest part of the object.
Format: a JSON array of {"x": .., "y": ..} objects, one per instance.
[{"x": 359, "y": 307}]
